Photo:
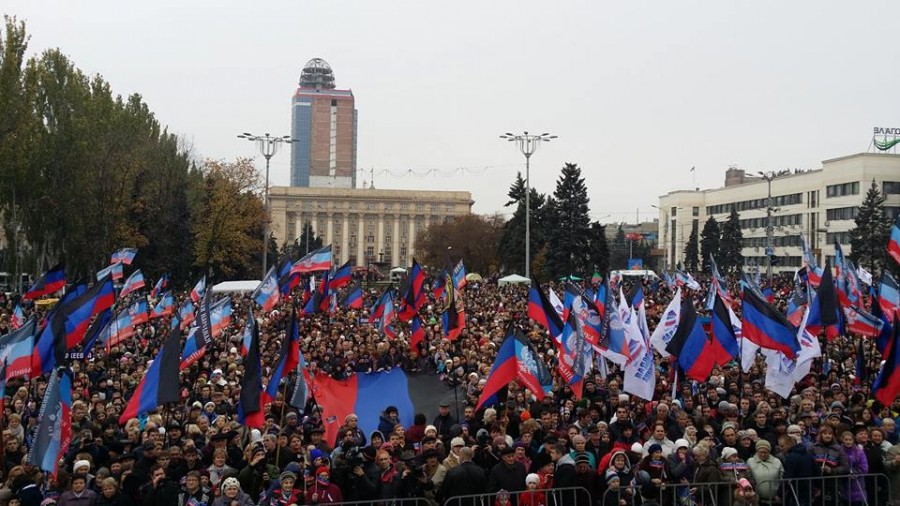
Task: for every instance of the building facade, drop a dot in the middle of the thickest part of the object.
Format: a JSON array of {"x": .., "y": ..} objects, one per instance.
[
  {"x": 820, "y": 204},
  {"x": 363, "y": 225},
  {"x": 323, "y": 129}
]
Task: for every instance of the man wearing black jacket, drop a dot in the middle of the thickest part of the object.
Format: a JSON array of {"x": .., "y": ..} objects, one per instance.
[
  {"x": 509, "y": 474},
  {"x": 466, "y": 479}
]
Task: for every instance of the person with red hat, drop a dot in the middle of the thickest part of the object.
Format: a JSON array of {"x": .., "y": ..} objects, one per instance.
[{"x": 322, "y": 490}]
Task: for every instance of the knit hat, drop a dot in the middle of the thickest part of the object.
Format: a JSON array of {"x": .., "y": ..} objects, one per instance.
[
  {"x": 316, "y": 454},
  {"x": 80, "y": 464},
  {"x": 762, "y": 443},
  {"x": 682, "y": 443},
  {"x": 582, "y": 458},
  {"x": 230, "y": 482},
  {"x": 323, "y": 470},
  {"x": 637, "y": 448},
  {"x": 287, "y": 475},
  {"x": 457, "y": 441},
  {"x": 728, "y": 452},
  {"x": 611, "y": 476},
  {"x": 532, "y": 478},
  {"x": 431, "y": 427}
]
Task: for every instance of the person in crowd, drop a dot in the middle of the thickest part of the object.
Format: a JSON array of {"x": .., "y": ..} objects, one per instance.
[
  {"x": 231, "y": 494},
  {"x": 466, "y": 480}
]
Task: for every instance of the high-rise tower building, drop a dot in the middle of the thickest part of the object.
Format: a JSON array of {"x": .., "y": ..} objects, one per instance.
[{"x": 323, "y": 126}]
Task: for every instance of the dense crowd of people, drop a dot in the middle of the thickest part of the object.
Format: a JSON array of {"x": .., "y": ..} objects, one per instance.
[{"x": 728, "y": 431}]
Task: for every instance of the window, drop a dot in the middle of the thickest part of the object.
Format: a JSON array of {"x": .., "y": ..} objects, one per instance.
[
  {"x": 839, "y": 190},
  {"x": 420, "y": 207},
  {"x": 760, "y": 203},
  {"x": 841, "y": 213},
  {"x": 788, "y": 220},
  {"x": 404, "y": 206},
  {"x": 674, "y": 211},
  {"x": 841, "y": 237},
  {"x": 695, "y": 211},
  {"x": 891, "y": 187},
  {"x": 370, "y": 206},
  {"x": 448, "y": 208},
  {"x": 892, "y": 212},
  {"x": 388, "y": 206}
]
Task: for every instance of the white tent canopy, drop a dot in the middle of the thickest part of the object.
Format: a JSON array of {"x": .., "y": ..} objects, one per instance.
[
  {"x": 513, "y": 279},
  {"x": 636, "y": 272},
  {"x": 244, "y": 286},
  {"x": 398, "y": 270}
]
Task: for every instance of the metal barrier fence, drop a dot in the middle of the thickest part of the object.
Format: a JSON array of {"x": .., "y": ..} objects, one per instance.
[
  {"x": 569, "y": 496},
  {"x": 843, "y": 490},
  {"x": 406, "y": 501}
]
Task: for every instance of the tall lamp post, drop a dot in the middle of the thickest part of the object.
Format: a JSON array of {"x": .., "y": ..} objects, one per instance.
[
  {"x": 527, "y": 144},
  {"x": 770, "y": 228},
  {"x": 268, "y": 146}
]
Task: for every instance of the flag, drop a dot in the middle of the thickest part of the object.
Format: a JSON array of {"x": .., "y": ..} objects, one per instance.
[
  {"x": 352, "y": 297},
  {"x": 15, "y": 351},
  {"x": 124, "y": 256},
  {"x": 161, "y": 284},
  {"x": 670, "y": 281},
  {"x": 437, "y": 286},
  {"x": 342, "y": 276},
  {"x": 893, "y": 248},
  {"x": 862, "y": 322},
  {"x": 287, "y": 278},
  {"x": 199, "y": 290},
  {"x": 768, "y": 328},
  {"x": 290, "y": 358},
  {"x": 134, "y": 282},
  {"x": 324, "y": 294},
  {"x": 573, "y": 349},
  {"x": 220, "y": 316},
  {"x": 516, "y": 361},
  {"x": 250, "y": 407},
  {"x": 186, "y": 315},
  {"x": 799, "y": 298},
  {"x": 267, "y": 293},
  {"x": 54, "y": 430},
  {"x": 52, "y": 281},
  {"x": 668, "y": 324},
  {"x": 613, "y": 343},
  {"x": 43, "y": 358},
  {"x": 414, "y": 294},
  {"x": 814, "y": 272},
  {"x": 301, "y": 385},
  {"x": 116, "y": 271},
  {"x": 685, "y": 279},
  {"x": 883, "y": 340},
  {"x": 690, "y": 344},
  {"x": 416, "y": 335},
  {"x": 640, "y": 374},
  {"x": 888, "y": 294},
  {"x": 200, "y": 336},
  {"x": 887, "y": 383},
  {"x": 125, "y": 323},
  {"x": 160, "y": 383},
  {"x": 18, "y": 317},
  {"x": 459, "y": 275},
  {"x": 453, "y": 316},
  {"x": 829, "y": 309},
  {"x": 385, "y": 323},
  {"x": 165, "y": 307},
  {"x": 724, "y": 345},
  {"x": 318, "y": 260},
  {"x": 596, "y": 279},
  {"x": 95, "y": 332},
  {"x": 864, "y": 275},
  {"x": 541, "y": 310}
]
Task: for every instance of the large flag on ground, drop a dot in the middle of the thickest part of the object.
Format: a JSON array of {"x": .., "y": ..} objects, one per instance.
[
  {"x": 413, "y": 294},
  {"x": 516, "y": 360},
  {"x": 134, "y": 282},
  {"x": 318, "y": 260},
  {"x": 267, "y": 293},
  {"x": 54, "y": 431},
  {"x": 893, "y": 248},
  {"x": 250, "y": 407},
  {"x": 15, "y": 350},
  {"x": 52, "y": 281},
  {"x": 124, "y": 255},
  {"x": 768, "y": 328},
  {"x": 668, "y": 324},
  {"x": 690, "y": 344},
  {"x": 367, "y": 395},
  {"x": 541, "y": 310},
  {"x": 290, "y": 357},
  {"x": 160, "y": 385},
  {"x": 887, "y": 383}
]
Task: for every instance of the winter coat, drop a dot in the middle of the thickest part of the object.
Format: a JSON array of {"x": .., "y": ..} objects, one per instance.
[
  {"x": 798, "y": 463},
  {"x": 830, "y": 457},
  {"x": 564, "y": 475},
  {"x": 892, "y": 468},
  {"x": 708, "y": 472},
  {"x": 855, "y": 489},
  {"x": 464, "y": 480},
  {"x": 325, "y": 494},
  {"x": 116, "y": 500},
  {"x": 385, "y": 425},
  {"x": 242, "y": 499},
  {"x": 765, "y": 472},
  {"x": 509, "y": 478},
  {"x": 68, "y": 498}
]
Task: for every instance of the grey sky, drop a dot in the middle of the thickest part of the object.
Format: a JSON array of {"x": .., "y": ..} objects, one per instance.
[{"x": 638, "y": 91}]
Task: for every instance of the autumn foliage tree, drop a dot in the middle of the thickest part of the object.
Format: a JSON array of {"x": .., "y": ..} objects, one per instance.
[{"x": 473, "y": 237}]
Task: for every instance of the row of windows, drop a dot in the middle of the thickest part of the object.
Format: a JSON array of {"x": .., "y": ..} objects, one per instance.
[
  {"x": 841, "y": 213},
  {"x": 371, "y": 206},
  {"x": 783, "y": 261},
  {"x": 841, "y": 237},
  {"x": 777, "y": 221},
  {"x": 760, "y": 203},
  {"x": 779, "y": 241},
  {"x": 839, "y": 190},
  {"x": 891, "y": 187}
]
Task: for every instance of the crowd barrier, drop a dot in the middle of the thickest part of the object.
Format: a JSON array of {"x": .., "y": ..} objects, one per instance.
[
  {"x": 407, "y": 501},
  {"x": 570, "y": 496},
  {"x": 870, "y": 489}
]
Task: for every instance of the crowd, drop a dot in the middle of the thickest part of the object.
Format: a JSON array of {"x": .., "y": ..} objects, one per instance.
[{"x": 729, "y": 430}]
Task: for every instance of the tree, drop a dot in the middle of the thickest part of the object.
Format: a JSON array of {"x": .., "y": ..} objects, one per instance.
[
  {"x": 691, "y": 252},
  {"x": 308, "y": 241},
  {"x": 228, "y": 230},
  {"x": 511, "y": 246},
  {"x": 869, "y": 238},
  {"x": 618, "y": 250},
  {"x": 730, "y": 255},
  {"x": 567, "y": 231},
  {"x": 598, "y": 248},
  {"x": 709, "y": 242},
  {"x": 473, "y": 237}
]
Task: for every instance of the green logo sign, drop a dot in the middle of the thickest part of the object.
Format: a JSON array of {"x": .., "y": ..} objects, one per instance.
[{"x": 890, "y": 137}]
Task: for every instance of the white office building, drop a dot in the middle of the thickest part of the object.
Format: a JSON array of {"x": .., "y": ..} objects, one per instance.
[{"x": 820, "y": 204}]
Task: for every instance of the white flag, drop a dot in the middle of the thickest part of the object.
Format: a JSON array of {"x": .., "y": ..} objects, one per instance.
[
  {"x": 667, "y": 326},
  {"x": 864, "y": 275}
]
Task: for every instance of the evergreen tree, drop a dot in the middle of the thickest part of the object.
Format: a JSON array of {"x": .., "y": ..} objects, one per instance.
[
  {"x": 511, "y": 251},
  {"x": 691, "y": 252},
  {"x": 569, "y": 227},
  {"x": 598, "y": 248},
  {"x": 709, "y": 242},
  {"x": 618, "y": 250},
  {"x": 307, "y": 242},
  {"x": 730, "y": 257},
  {"x": 869, "y": 238}
]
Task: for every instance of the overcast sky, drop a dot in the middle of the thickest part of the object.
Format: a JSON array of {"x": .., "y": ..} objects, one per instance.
[{"x": 637, "y": 91}]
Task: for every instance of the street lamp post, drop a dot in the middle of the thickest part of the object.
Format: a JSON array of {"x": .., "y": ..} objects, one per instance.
[
  {"x": 527, "y": 144},
  {"x": 770, "y": 228},
  {"x": 268, "y": 146}
]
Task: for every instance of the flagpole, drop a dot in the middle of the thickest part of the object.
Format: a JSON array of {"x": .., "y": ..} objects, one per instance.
[{"x": 281, "y": 418}]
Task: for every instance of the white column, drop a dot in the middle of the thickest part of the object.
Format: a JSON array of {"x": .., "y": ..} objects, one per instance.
[
  {"x": 345, "y": 236},
  {"x": 360, "y": 240},
  {"x": 313, "y": 219},
  {"x": 395, "y": 242},
  {"x": 329, "y": 229},
  {"x": 411, "y": 248},
  {"x": 379, "y": 238}
]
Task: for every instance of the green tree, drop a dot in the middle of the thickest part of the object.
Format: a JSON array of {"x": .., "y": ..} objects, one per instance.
[
  {"x": 598, "y": 248},
  {"x": 308, "y": 241},
  {"x": 730, "y": 255},
  {"x": 619, "y": 250},
  {"x": 869, "y": 238},
  {"x": 569, "y": 228},
  {"x": 511, "y": 249},
  {"x": 709, "y": 242},
  {"x": 691, "y": 252}
]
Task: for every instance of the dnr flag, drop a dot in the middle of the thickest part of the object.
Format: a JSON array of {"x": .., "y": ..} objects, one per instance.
[
  {"x": 516, "y": 360},
  {"x": 250, "y": 407},
  {"x": 160, "y": 384},
  {"x": 690, "y": 344},
  {"x": 267, "y": 293},
  {"x": 54, "y": 431},
  {"x": 124, "y": 255},
  {"x": 51, "y": 282},
  {"x": 541, "y": 310},
  {"x": 768, "y": 328},
  {"x": 134, "y": 282}
]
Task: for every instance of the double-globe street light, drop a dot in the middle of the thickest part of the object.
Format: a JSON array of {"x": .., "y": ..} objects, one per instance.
[
  {"x": 527, "y": 144},
  {"x": 268, "y": 146}
]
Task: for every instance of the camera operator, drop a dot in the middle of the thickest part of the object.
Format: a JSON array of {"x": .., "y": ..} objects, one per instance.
[{"x": 258, "y": 473}]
